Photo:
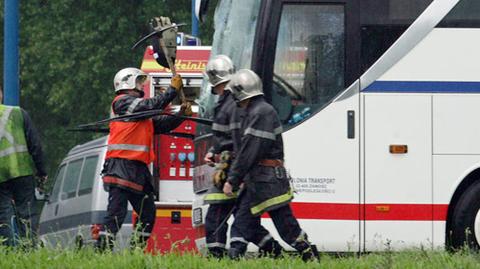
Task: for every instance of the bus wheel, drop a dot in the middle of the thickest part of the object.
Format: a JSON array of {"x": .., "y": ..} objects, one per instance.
[{"x": 465, "y": 228}]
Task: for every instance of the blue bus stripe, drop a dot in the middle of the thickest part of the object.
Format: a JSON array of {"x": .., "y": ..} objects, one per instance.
[{"x": 424, "y": 87}]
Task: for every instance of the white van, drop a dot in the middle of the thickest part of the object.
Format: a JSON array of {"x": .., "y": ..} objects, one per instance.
[{"x": 78, "y": 202}]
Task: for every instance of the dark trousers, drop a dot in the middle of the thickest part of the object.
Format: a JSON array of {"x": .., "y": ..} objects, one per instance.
[
  {"x": 245, "y": 225},
  {"x": 17, "y": 197},
  {"x": 215, "y": 215},
  {"x": 143, "y": 204}
]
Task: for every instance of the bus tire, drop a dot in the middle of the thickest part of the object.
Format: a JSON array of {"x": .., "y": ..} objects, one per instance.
[{"x": 465, "y": 221}]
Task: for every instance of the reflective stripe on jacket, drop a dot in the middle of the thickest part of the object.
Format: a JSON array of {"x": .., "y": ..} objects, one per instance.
[
  {"x": 131, "y": 140},
  {"x": 216, "y": 196},
  {"x": 261, "y": 140},
  {"x": 15, "y": 160}
]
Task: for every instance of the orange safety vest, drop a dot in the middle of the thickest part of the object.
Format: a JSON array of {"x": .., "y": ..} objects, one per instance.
[{"x": 131, "y": 140}]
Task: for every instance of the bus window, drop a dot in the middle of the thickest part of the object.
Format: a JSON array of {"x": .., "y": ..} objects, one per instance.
[
  {"x": 382, "y": 23},
  {"x": 309, "y": 65},
  {"x": 466, "y": 14},
  {"x": 235, "y": 25}
]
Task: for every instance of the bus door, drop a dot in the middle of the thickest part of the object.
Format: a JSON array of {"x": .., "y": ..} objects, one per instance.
[
  {"x": 308, "y": 63},
  {"x": 397, "y": 127}
]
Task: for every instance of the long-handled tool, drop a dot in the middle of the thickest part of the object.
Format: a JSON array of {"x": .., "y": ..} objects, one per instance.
[
  {"x": 144, "y": 114},
  {"x": 163, "y": 35}
]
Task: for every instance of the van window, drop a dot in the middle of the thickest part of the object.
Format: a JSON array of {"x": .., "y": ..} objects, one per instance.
[
  {"x": 88, "y": 175},
  {"x": 58, "y": 184},
  {"x": 71, "y": 179}
]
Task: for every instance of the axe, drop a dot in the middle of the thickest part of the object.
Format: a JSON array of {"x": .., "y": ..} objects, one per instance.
[{"x": 164, "y": 53}]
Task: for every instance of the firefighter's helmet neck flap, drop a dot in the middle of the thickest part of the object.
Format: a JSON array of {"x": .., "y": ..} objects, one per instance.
[
  {"x": 244, "y": 85},
  {"x": 130, "y": 79}
]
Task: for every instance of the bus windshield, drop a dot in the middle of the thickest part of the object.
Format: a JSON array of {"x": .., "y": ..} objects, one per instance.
[{"x": 235, "y": 23}]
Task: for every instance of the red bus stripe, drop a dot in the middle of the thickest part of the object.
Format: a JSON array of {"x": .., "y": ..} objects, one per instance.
[{"x": 370, "y": 212}]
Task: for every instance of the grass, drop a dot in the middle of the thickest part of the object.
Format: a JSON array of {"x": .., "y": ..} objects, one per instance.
[{"x": 87, "y": 258}]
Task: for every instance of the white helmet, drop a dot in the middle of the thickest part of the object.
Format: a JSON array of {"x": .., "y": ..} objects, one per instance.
[
  {"x": 245, "y": 84},
  {"x": 219, "y": 69},
  {"x": 129, "y": 78}
]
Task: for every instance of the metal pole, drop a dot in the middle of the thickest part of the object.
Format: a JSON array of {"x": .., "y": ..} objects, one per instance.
[
  {"x": 194, "y": 21},
  {"x": 10, "y": 54}
]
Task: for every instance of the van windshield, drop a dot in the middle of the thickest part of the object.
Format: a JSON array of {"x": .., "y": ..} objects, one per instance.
[{"x": 235, "y": 23}]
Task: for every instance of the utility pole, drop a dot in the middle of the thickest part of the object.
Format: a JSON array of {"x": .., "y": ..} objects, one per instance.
[{"x": 10, "y": 54}]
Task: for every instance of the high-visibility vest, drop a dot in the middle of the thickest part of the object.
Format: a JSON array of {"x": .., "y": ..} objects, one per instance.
[
  {"x": 15, "y": 160},
  {"x": 131, "y": 140}
]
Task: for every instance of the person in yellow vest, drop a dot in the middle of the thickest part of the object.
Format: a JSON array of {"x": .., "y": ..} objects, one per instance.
[{"x": 21, "y": 157}]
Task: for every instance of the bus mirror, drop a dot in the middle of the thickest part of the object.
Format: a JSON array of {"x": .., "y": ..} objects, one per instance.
[
  {"x": 282, "y": 101},
  {"x": 201, "y": 8}
]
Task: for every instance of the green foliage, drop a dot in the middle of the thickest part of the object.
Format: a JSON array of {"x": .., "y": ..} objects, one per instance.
[{"x": 70, "y": 51}]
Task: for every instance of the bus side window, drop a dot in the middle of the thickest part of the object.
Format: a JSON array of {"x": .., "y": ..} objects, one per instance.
[
  {"x": 88, "y": 175},
  {"x": 58, "y": 184},
  {"x": 309, "y": 67},
  {"x": 382, "y": 22},
  {"x": 72, "y": 176},
  {"x": 466, "y": 14}
]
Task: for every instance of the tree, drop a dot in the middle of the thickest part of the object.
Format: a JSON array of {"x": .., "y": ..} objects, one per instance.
[{"x": 69, "y": 53}]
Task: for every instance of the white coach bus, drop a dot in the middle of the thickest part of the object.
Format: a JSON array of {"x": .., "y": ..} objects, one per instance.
[{"x": 380, "y": 104}]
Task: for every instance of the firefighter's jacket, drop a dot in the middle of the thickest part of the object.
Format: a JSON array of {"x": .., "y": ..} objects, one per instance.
[
  {"x": 20, "y": 149},
  {"x": 268, "y": 187},
  {"x": 124, "y": 169},
  {"x": 223, "y": 122}
]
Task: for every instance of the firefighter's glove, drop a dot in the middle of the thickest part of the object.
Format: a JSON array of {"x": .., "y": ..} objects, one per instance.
[
  {"x": 177, "y": 83},
  {"x": 186, "y": 109},
  {"x": 220, "y": 175},
  {"x": 228, "y": 189}
]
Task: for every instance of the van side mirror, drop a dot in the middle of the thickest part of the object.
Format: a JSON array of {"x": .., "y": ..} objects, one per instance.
[{"x": 63, "y": 196}]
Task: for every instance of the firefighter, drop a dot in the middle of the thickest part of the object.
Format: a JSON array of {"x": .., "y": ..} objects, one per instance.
[
  {"x": 125, "y": 173},
  {"x": 259, "y": 162},
  {"x": 226, "y": 117}
]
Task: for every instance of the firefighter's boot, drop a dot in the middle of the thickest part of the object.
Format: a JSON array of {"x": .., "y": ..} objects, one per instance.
[
  {"x": 216, "y": 252},
  {"x": 237, "y": 250},
  {"x": 307, "y": 251},
  {"x": 104, "y": 242},
  {"x": 271, "y": 249}
]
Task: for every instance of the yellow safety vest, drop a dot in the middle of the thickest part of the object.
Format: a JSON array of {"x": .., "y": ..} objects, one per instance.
[{"x": 15, "y": 160}]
